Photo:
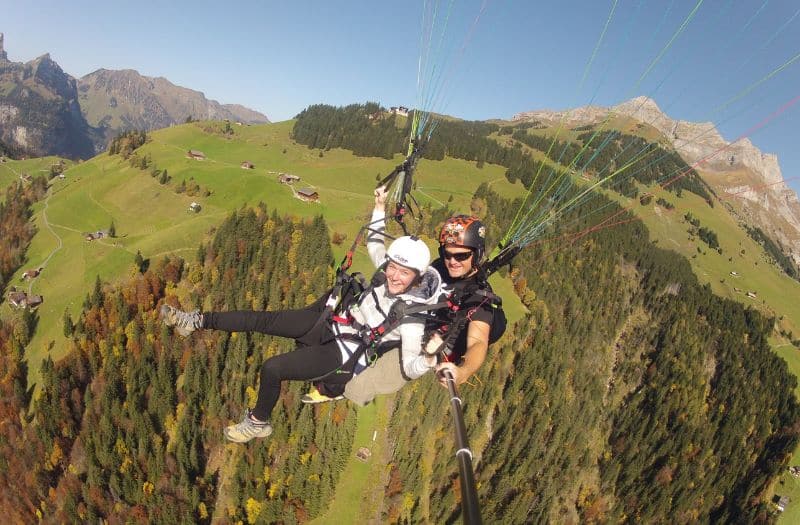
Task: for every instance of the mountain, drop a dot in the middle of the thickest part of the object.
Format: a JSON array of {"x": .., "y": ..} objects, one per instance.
[
  {"x": 119, "y": 100},
  {"x": 39, "y": 110},
  {"x": 747, "y": 180},
  {"x": 45, "y": 111}
]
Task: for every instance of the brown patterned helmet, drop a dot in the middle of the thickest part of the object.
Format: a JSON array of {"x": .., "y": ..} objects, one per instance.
[{"x": 464, "y": 230}]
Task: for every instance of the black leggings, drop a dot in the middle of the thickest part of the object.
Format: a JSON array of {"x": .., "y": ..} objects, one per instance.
[{"x": 317, "y": 354}]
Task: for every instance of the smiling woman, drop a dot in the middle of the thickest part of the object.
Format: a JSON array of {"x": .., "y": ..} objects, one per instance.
[{"x": 408, "y": 259}]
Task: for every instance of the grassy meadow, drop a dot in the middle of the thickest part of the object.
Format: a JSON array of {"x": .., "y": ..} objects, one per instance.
[{"x": 12, "y": 170}]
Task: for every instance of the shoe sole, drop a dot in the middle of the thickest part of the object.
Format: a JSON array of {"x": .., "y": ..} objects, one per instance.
[
  {"x": 169, "y": 320},
  {"x": 237, "y": 440},
  {"x": 309, "y": 401}
]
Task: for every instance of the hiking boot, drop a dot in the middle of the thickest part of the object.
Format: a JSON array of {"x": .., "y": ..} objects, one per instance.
[
  {"x": 184, "y": 322},
  {"x": 314, "y": 396},
  {"x": 248, "y": 429}
]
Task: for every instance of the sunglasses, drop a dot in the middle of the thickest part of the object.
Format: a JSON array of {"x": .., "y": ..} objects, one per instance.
[{"x": 460, "y": 256}]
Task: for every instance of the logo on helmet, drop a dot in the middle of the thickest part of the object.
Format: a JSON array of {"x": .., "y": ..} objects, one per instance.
[
  {"x": 452, "y": 232},
  {"x": 482, "y": 232}
]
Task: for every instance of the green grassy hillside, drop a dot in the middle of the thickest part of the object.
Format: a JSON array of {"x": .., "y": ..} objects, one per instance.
[
  {"x": 12, "y": 170},
  {"x": 754, "y": 271}
]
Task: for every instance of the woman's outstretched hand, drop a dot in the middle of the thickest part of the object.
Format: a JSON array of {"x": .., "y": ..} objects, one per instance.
[{"x": 380, "y": 198}]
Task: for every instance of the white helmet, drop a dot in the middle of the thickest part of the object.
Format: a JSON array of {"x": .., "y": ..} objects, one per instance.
[{"x": 410, "y": 252}]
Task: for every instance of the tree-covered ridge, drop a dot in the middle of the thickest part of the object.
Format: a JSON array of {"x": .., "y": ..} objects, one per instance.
[
  {"x": 16, "y": 230},
  {"x": 785, "y": 262},
  {"x": 128, "y": 428},
  {"x": 643, "y": 161},
  {"x": 16, "y": 454},
  {"x": 629, "y": 393},
  {"x": 127, "y": 142},
  {"x": 368, "y": 130},
  {"x": 361, "y": 128}
]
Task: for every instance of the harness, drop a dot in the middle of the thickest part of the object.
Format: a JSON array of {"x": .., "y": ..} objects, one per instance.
[
  {"x": 369, "y": 339},
  {"x": 461, "y": 305},
  {"x": 348, "y": 288},
  {"x": 449, "y": 316}
]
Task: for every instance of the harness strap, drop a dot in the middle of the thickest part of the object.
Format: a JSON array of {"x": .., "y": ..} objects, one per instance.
[{"x": 369, "y": 338}]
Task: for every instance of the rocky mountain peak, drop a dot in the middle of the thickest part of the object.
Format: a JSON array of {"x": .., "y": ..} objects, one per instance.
[
  {"x": 643, "y": 104},
  {"x": 142, "y": 102},
  {"x": 39, "y": 111},
  {"x": 765, "y": 198},
  {"x": 45, "y": 111},
  {"x": 46, "y": 72}
]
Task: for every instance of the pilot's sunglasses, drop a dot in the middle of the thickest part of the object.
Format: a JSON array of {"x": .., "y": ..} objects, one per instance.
[{"x": 460, "y": 256}]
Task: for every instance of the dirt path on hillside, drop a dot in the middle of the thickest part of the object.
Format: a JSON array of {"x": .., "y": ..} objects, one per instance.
[
  {"x": 431, "y": 197},
  {"x": 43, "y": 265}
]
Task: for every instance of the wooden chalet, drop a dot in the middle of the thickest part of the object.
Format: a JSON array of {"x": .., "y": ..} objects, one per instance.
[
  {"x": 33, "y": 301},
  {"x": 17, "y": 299},
  {"x": 91, "y": 236},
  {"x": 399, "y": 110},
  {"x": 287, "y": 178},
  {"x": 196, "y": 154},
  {"x": 308, "y": 195},
  {"x": 31, "y": 274},
  {"x": 22, "y": 300}
]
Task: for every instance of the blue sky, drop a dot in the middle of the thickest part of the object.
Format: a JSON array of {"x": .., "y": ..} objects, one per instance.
[{"x": 279, "y": 57}]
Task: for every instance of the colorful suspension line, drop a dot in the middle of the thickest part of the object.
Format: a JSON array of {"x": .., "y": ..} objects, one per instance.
[
  {"x": 587, "y": 67},
  {"x": 683, "y": 172},
  {"x": 646, "y": 151},
  {"x": 571, "y": 165}
]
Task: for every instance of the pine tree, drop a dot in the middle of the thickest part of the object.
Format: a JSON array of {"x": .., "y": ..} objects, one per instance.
[
  {"x": 69, "y": 326},
  {"x": 138, "y": 260},
  {"x": 97, "y": 293}
]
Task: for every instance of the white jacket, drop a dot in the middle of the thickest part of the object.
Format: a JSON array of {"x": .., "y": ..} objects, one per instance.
[{"x": 370, "y": 313}]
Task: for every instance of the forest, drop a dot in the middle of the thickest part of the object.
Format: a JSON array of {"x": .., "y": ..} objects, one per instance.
[
  {"x": 128, "y": 428},
  {"x": 16, "y": 230},
  {"x": 628, "y": 393}
]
